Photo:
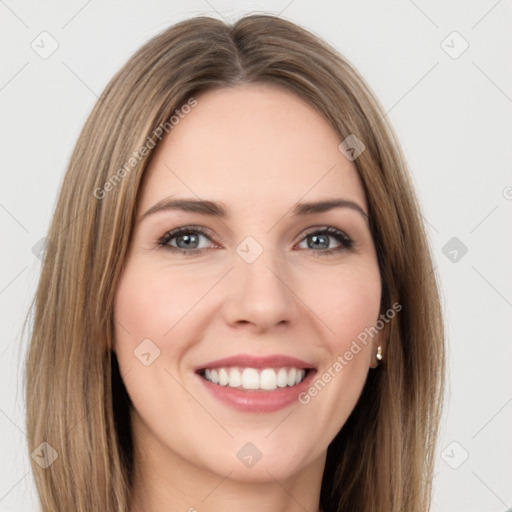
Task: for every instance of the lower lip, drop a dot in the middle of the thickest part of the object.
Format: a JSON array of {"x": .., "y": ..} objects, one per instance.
[{"x": 258, "y": 400}]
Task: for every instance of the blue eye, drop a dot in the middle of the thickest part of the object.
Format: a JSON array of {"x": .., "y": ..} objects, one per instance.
[
  {"x": 186, "y": 240},
  {"x": 320, "y": 238}
]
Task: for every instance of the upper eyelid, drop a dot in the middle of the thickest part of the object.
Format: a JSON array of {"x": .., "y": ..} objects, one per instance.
[{"x": 173, "y": 233}]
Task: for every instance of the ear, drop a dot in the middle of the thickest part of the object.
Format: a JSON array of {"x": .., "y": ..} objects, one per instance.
[{"x": 380, "y": 340}]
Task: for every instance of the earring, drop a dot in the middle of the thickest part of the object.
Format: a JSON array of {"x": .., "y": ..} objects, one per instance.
[{"x": 379, "y": 353}]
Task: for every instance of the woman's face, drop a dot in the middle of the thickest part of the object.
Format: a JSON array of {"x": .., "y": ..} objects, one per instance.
[{"x": 263, "y": 286}]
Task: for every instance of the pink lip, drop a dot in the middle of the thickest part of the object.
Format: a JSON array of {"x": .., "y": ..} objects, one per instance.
[
  {"x": 256, "y": 400},
  {"x": 248, "y": 361}
]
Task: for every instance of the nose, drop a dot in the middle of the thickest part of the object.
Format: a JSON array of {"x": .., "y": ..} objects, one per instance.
[{"x": 260, "y": 293}]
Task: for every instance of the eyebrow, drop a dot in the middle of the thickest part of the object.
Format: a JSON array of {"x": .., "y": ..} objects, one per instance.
[{"x": 217, "y": 209}]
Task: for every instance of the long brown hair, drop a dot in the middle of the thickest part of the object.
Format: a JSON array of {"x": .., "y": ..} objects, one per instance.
[{"x": 383, "y": 457}]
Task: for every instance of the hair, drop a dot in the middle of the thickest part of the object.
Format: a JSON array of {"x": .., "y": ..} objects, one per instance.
[{"x": 383, "y": 457}]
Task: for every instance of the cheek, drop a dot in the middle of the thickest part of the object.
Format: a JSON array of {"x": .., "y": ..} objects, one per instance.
[
  {"x": 348, "y": 307},
  {"x": 348, "y": 302},
  {"x": 163, "y": 305},
  {"x": 148, "y": 308},
  {"x": 149, "y": 303}
]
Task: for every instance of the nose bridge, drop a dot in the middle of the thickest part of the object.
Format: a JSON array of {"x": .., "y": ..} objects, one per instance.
[
  {"x": 259, "y": 264},
  {"x": 260, "y": 292}
]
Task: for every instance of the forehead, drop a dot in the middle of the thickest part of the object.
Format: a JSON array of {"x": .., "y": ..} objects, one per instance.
[{"x": 254, "y": 145}]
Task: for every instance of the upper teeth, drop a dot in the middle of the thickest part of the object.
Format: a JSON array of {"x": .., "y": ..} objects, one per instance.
[{"x": 251, "y": 378}]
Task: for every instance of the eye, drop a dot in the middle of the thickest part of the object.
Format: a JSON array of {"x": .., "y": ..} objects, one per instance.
[
  {"x": 319, "y": 238},
  {"x": 187, "y": 239}
]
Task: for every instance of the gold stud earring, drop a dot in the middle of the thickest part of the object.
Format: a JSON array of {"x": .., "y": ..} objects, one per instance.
[{"x": 379, "y": 353}]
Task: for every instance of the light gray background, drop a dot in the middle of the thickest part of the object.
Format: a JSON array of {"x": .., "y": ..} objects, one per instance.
[{"x": 452, "y": 116}]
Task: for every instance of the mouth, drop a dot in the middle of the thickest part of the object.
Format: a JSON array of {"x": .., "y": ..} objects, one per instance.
[
  {"x": 254, "y": 379},
  {"x": 256, "y": 383}
]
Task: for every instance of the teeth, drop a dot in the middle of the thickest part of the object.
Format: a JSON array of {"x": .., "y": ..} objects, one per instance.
[
  {"x": 250, "y": 378},
  {"x": 223, "y": 377},
  {"x": 291, "y": 376},
  {"x": 268, "y": 379},
  {"x": 282, "y": 378},
  {"x": 235, "y": 378}
]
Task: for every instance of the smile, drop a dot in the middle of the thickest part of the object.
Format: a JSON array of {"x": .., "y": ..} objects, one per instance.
[
  {"x": 254, "y": 379},
  {"x": 256, "y": 383}
]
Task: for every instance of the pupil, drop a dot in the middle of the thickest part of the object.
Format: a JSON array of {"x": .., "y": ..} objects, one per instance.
[
  {"x": 316, "y": 238},
  {"x": 188, "y": 240}
]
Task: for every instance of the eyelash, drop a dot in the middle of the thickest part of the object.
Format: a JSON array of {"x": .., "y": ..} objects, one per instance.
[{"x": 345, "y": 241}]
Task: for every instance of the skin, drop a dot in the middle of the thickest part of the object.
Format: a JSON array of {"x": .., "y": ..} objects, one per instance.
[{"x": 259, "y": 149}]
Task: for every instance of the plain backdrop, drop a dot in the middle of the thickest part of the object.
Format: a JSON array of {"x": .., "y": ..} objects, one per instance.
[{"x": 442, "y": 70}]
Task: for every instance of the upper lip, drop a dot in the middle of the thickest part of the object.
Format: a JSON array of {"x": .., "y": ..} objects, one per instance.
[{"x": 257, "y": 361}]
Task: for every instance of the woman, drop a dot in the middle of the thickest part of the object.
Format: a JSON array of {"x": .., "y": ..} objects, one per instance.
[{"x": 238, "y": 308}]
